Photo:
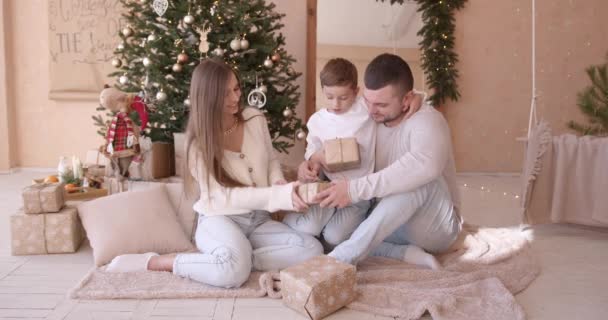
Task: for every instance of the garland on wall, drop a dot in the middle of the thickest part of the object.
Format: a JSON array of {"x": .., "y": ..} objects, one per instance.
[{"x": 437, "y": 45}]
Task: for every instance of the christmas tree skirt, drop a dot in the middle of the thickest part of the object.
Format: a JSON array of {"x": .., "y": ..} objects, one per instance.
[{"x": 478, "y": 281}]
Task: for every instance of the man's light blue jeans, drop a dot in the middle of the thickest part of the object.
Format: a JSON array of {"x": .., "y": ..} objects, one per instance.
[{"x": 425, "y": 217}]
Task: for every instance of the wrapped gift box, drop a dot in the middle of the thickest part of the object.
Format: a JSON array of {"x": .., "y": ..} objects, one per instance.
[
  {"x": 341, "y": 154},
  {"x": 318, "y": 287},
  {"x": 157, "y": 161},
  {"x": 59, "y": 232},
  {"x": 309, "y": 190},
  {"x": 43, "y": 197}
]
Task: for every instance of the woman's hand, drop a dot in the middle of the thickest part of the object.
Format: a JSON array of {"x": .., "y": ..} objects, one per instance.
[
  {"x": 280, "y": 182},
  {"x": 298, "y": 204}
]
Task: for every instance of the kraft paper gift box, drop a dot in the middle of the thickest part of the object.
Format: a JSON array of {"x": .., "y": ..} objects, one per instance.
[
  {"x": 341, "y": 154},
  {"x": 157, "y": 161},
  {"x": 43, "y": 197},
  {"x": 59, "y": 232},
  {"x": 319, "y": 286},
  {"x": 309, "y": 190}
]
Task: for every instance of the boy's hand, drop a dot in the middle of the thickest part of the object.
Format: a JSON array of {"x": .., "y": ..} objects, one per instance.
[
  {"x": 318, "y": 159},
  {"x": 415, "y": 104},
  {"x": 308, "y": 172}
]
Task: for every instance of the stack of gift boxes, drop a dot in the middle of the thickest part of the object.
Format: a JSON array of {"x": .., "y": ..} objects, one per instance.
[{"x": 45, "y": 224}]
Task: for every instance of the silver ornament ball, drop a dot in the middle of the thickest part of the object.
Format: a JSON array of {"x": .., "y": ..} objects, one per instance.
[
  {"x": 161, "y": 96},
  {"x": 152, "y": 37},
  {"x": 127, "y": 31},
  {"x": 268, "y": 63},
  {"x": 244, "y": 44},
  {"x": 116, "y": 63},
  {"x": 219, "y": 51},
  {"x": 235, "y": 45},
  {"x": 123, "y": 80},
  {"x": 287, "y": 113},
  {"x": 189, "y": 19},
  {"x": 263, "y": 88},
  {"x": 187, "y": 102},
  {"x": 146, "y": 62},
  {"x": 177, "y": 67},
  {"x": 120, "y": 46},
  {"x": 301, "y": 135}
]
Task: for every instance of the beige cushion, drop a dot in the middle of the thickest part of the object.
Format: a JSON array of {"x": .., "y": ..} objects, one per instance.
[
  {"x": 132, "y": 222},
  {"x": 183, "y": 204}
]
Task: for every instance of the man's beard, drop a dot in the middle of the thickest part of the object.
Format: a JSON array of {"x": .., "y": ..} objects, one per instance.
[{"x": 386, "y": 121}]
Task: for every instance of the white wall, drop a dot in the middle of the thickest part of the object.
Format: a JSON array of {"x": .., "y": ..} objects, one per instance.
[{"x": 368, "y": 23}]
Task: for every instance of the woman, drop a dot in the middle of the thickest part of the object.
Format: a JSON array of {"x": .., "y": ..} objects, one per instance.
[{"x": 230, "y": 156}]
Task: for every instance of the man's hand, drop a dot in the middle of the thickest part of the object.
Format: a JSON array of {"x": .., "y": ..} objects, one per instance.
[
  {"x": 298, "y": 204},
  {"x": 335, "y": 196},
  {"x": 308, "y": 172}
]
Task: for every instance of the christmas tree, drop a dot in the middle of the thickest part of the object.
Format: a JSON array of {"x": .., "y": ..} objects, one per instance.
[
  {"x": 164, "y": 40},
  {"x": 593, "y": 102}
]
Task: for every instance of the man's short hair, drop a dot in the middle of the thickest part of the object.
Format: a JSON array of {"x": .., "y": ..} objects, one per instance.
[
  {"x": 339, "y": 72},
  {"x": 389, "y": 69}
]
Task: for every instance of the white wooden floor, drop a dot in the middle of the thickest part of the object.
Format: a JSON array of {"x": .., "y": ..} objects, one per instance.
[{"x": 573, "y": 283}]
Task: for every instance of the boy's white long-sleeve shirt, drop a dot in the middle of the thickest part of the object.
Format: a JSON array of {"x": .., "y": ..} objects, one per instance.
[
  {"x": 408, "y": 156},
  {"x": 354, "y": 123},
  {"x": 256, "y": 166}
]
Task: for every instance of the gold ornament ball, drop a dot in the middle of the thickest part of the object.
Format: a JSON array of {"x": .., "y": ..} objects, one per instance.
[
  {"x": 123, "y": 80},
  {"x": 177, "y": 67},
  {"x": 189, "y": 19},
  {"x": 116, "y": 63},
  {"x": 127, "y": 31},
  {"x": 276, "y": 57},
  {"x": 182, "y": 57},
  {"x": 244, "y": 44},
  {"x": 301, "y": 135},
  {"x": 268, "y": 63},
  {"x": 161, "y": 96},
  {"x": 287, "y": 113}
]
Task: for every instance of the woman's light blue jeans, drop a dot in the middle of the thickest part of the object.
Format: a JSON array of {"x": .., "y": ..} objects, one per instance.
[{"x": 231, "y": 246}]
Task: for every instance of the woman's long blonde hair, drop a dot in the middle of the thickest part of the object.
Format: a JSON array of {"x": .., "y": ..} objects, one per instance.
[{"x": 204, "y": 131}]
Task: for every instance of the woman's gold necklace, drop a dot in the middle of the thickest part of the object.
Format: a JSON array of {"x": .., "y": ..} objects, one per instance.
[{"x": 234, "y": 126}]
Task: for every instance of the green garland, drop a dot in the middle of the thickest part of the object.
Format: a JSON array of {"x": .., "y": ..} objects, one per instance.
[{"x": 437, "y": 45}]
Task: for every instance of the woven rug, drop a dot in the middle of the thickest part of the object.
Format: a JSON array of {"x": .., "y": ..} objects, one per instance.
[{"x": 478, "y": 281}]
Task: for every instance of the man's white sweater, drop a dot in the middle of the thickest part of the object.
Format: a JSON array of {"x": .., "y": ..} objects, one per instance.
[{"x": 408, "y": 156}]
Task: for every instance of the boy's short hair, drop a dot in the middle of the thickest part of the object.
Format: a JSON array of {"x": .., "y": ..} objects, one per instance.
[
  {"x": 388, "y": 69},
  {"x": 339, "y": 72}
]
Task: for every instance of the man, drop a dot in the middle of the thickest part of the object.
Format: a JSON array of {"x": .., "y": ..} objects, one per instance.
[{"x": 414, "y": 183}]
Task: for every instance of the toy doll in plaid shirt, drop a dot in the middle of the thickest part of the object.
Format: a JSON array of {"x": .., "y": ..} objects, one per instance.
[{"x": 122, "y": 135}]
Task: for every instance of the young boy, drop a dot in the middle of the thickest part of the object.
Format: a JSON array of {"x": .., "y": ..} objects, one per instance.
[{"x": 346, "y": 116}]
